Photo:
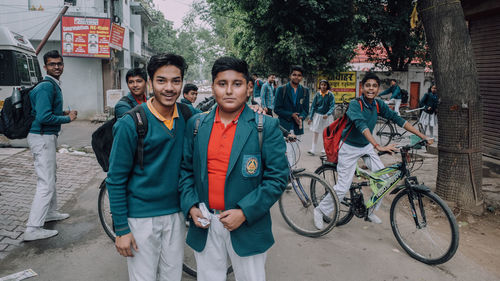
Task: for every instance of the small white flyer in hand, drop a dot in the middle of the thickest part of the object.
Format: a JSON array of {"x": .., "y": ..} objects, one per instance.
[
  {"x": 20, "y": 275},
  {"x": 206, "y": 214}
]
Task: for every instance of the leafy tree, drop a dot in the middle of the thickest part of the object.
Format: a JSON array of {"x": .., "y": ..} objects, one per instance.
[{"x": 387, "y": 28}]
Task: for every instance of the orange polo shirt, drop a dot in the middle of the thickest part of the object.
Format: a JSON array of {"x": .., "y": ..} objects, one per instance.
[
  {"x": 169, "y": 123},
  {"x": 219, "y": 151}
]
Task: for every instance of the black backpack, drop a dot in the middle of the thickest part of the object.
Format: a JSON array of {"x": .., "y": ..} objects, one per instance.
[
  {"x": 15, "y": 123},
  {"x": 404, "y": 96},
  {"x": 102, "y": 138},
  {"x": 206, "y": 104}
]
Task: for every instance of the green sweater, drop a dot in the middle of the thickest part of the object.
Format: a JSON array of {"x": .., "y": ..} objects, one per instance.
[
  {"x": 148, "y": 192},
  {"x": 47, "y": 107},
  {"x": 366, "y": 119},
  {"x": 122, "y": 107}
]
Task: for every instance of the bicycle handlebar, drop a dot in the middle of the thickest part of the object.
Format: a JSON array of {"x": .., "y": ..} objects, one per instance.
[
  {"x": 405, "y": 147},
  {"x": 416, "y": 109}
]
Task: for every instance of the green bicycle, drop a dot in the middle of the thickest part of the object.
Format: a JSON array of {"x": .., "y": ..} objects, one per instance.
[{"x": 423, "y": 224}]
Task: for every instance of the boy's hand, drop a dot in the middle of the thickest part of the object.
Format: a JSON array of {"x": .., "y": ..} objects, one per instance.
[
  {"x": 257, "y": 108},
  {"x": 123, "y": 243},
  {"x": 195, "y": 213},
  {"x": 232, "y": 219},
  {"x": 429, "y": 141},
  {"x": 309, "y": 122},
  {"x": 325, "y": 116},
  {"x": 72, "y": 115},
  {"x": 391, "y": 148}
]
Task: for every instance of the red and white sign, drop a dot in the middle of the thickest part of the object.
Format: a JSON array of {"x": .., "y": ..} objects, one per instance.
[
  {"x": 85, "y": 37},
  {"x": 117, "y": 35}
]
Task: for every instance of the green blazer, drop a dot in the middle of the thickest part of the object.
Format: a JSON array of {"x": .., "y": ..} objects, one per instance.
[{"x": 252, "y": 189}]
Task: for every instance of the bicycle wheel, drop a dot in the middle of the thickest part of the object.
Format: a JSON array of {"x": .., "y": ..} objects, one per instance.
[
  {"x": 104, "y": 211},
  {"x": 435, "y": 239},
  {"x": 300, "y": 216},
  {"x": 329, "y": 174},
  {"x": 383, "y": 131}
]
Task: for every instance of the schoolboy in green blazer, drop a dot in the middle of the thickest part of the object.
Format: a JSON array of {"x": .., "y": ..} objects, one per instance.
[{"x": 253, "y": 179}]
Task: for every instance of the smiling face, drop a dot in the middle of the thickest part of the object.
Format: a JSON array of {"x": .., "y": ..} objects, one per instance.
[
  {"x": 296, "y": 77},
  {"x": 323, "y": 87},
  {"x": 54, "y": 67},
  {"x": 167, "y": 85},
  {"x": 370, "y": 89},
  {"x": 230, "y": 90},
  {"x": 136, "y": 85}
]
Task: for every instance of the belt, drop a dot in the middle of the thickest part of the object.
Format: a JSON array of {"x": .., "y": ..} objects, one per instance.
[{"x": 215, "y": 211}]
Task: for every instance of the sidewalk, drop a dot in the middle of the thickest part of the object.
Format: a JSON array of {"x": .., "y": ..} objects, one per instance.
[{"x": 18, "y": 186}]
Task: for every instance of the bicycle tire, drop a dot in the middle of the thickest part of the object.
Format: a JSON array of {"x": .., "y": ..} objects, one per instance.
[
  {"x": 301, "y": 218},
  {"x": 440, "y": 226},
  {"x": 329, "y": 174},
  {"x": 383, "y": 131},
  {"x": 104, "y": 211}
]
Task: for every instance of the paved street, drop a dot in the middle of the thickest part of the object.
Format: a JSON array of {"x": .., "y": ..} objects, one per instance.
[{"x": 82, "y": 251}]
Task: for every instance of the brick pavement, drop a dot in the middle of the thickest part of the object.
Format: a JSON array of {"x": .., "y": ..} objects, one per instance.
[{"x": 18, "y": 185}]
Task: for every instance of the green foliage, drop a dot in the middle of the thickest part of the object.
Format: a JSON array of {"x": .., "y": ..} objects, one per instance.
[
  {"x": 272, "y": 35},
  {"x": 387, "y": 25}
]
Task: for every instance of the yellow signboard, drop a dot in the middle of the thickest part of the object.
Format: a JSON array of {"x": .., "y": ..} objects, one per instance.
[{"x": 342, "y": 85}]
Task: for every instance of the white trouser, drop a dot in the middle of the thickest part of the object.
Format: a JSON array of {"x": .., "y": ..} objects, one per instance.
[
  {"x": 43, "y": 148},
  {"x": 257, "y": 100},
  {"x": 160, "y": 241},
  {"x": 212, "y": 261},
  {"x": 397, "y": 104},
  {"x": 348, "y": 158},
  {"x": 292, "y": 150}
]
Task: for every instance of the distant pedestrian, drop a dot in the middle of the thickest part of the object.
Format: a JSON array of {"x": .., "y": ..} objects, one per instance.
[
  {"x": 250, "y": 100},
  {"x": 396, "y": 96},
  {"x": 47, "y": 108},
  {"x": 321, "y": 113},
  {"x": 257, "y": 86},
  {"x": 225, "y": 170},
  {"x": 267, "y": 95},
  {"x": 136, "y": 82},
  {"x": 190, "y": 93},
  {"x": 292, "y": 106},
  {"x": 429, "y": 102}
]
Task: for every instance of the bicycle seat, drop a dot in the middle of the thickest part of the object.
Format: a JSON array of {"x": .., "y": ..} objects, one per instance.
[{"x": 297, "y": 171}]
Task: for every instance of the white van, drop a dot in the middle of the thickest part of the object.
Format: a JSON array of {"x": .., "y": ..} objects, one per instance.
[{"x": 18, "y": 63}]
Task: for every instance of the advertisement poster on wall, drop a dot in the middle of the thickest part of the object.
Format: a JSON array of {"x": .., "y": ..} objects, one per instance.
[
  {"x": 342, "y": 85},
  {"x": 85, "y": 37},
  {"x": 117, "y": 35}
]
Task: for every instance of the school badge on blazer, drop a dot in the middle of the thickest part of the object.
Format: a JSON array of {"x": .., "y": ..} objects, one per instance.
[{"x": 251, "y": 165}]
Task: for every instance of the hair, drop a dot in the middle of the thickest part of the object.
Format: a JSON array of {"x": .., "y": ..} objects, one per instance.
[
  {"x": 430, "y": 88},
  {"x": 230, "y": 63},
  {"x": 160, "y": 60},
  {"x": 136, "y": 72},
  {"x": 54, "y": 54},
  {"x": 394, "y": 80},
  {"x": 297, "y": 68},
  {"x": 326, "y": 82},
  {"x": 370, "y": 75},
  {"x": 189, "y": 87}
]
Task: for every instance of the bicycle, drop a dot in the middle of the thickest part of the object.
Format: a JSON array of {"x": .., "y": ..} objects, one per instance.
[
  {"x": 341, "y": 108},
  {"x": 304, "y": 192},
  {"x": 422, "y": 223},
  {"x": 385, "y": 131},
  {"x": 106, "y": 219}
]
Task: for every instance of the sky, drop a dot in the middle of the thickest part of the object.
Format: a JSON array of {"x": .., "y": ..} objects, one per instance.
[{"x": 174, "y": 10}]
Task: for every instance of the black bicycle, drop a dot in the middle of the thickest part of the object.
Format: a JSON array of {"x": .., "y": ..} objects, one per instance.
[
  {"x": 422, "y": 223},
  {"x": 106, "y": 219},
  {"x": 386, "y": 131}
]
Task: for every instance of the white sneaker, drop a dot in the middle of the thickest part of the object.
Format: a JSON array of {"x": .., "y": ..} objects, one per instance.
[
  {"x": 310, "y": 152},
  {"x": 56, "y": 216},
  {"x": 37, "y": 233},
  {"x": 373, "y": 218},
  {"x": 318, "y": 218}
]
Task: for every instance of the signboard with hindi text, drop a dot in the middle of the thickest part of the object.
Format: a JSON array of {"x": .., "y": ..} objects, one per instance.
[
  {"x": 117, "y": 35},
  {"x": 342, "y": 85},
  {"x": 85, "y": 37}
]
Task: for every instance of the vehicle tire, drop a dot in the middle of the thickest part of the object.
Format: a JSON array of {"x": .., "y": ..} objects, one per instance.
[
  {"x": 300, "y": 217},
  {"x": 435, "y": 241},
  {"x": 383, "y": 131},
  {"x": 104, "y": 211}
]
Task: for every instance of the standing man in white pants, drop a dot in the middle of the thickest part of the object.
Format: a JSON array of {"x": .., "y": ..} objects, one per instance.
[
  {"x": 231, "y": 176},
  {"x": 359, "y": 141},
  {"x": 144, "y": 199},
  {"x": 47, "y": 107},
  {"x": 396, "y": 96}
]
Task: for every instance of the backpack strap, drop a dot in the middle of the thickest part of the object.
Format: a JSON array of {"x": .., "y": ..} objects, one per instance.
[
  {"x": 185, "y": 111},
  {"x": 376, "y": 104},
  {"x": 259, "y": 118},
  {"x": 141, "y": 126},
  {"x": 197, "y": 123}
]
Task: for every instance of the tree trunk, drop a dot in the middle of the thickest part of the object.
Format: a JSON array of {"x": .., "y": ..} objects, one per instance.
[{"x": 460, "y": 114}]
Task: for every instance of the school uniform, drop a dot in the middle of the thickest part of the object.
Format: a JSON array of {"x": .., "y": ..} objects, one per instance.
[
  {"x": 428, "y": 118},
  {"x": 190, "y": 105},
  {"x": 396, "y": 96},
  {"x": 320, "y": 106},
  {"x": 146, "y": 201},
  {"x": 286, "y": 103},
  {"x": 356, "y": 145},
  {"x": 267, "y": 94},
  {"x": 122, "y": 107},
  {"x": 224, "y": 168}
]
